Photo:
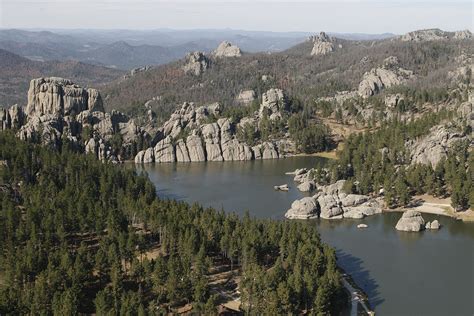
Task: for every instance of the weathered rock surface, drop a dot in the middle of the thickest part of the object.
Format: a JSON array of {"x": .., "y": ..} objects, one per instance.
[
  {"x": 433, "y": 225},
  {"x": 305, "y": 208},
  {"x": 182, "y": 153},
  {"x": 424, "y": 35},
  {"x": 165, "y": 151},
  {"x": 411, "y": 221},
  {"x": 307, "y": 186},
  {"x": 60, "y": 96},
  {"x": 246, "y": 96},
  {"x": 195, "y": 148},
  {"x": 197, "y": 136},
  {"x": 461, "y": 35},
  {"x": 196, "y": 63},
  {"x": 332, "y": 202},
  {"x": 12, "y": 118},
  {"x": 323, "y": 44},
  {"x": 273, "y": 103},
  {"x": 149, "y": 155},
  {"x": 377, "y": 79},
  {"x": 226, "y": 49},
  {"x": 430, "y": 149}
]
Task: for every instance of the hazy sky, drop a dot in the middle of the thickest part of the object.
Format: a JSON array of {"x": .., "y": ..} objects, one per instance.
[{"x": 365, "y": 16}]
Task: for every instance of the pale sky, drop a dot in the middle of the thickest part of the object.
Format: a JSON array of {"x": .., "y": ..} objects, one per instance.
[{"x": 345, "y": 16}]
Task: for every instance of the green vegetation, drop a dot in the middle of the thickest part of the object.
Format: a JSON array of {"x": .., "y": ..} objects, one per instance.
[
  {"x": 308, "y": 136},
  {"x": 378, "y": 160},
  {"x": 77, "y": 236}
]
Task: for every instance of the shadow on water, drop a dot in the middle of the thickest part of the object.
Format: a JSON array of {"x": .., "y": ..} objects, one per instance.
[
  {"x": 168, "y": 194},
  {"x": 361, "y": 276}
]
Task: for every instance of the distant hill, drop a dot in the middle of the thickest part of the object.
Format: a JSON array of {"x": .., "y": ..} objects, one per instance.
[
  {"x": 16, "y": 73},
  {"x": 126, "y": 49}
]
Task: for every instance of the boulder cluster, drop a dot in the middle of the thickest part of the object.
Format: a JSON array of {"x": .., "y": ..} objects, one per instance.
[
  {"x": 332, "y": 202},
  {"x": 412, "y": 221},
  {"x": 58, "y": 109},
  {"x": 197, "y": 134}
]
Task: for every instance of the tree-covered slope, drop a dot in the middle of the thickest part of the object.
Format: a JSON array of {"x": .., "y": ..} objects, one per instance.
[{"x": 81, "y": 236}]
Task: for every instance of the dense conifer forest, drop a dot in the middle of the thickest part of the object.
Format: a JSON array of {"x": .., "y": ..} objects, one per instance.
[
  {"x": 379, "y": 160},
  {"x": 81, "y": 236}
]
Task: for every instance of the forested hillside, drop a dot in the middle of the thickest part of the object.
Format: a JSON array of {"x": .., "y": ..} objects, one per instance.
[
  {"x": 295, "y": 71},
  {"x": 81, "y": 236}
]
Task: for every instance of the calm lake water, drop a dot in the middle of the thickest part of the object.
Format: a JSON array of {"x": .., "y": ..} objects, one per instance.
[{"x": 427, "y": 273}]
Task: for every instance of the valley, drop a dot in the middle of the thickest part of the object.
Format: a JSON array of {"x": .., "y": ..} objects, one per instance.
[{"x": 257, "y": 178}]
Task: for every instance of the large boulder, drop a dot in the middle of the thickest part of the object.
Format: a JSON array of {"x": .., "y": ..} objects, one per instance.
[
  {"x": 335, "y": 203},
  {"x": 411, "y": 221},
  {"x": 164, "y": 150},
  {"x": 226, "y": 49},
  {"x": 149, "y": 155},
  {"x": 305, "y": 208},
  {"x": 269, "y": 151},
  {"x": 182, "y": 153},
  {"x": 211, "y": 135},
  {"x": 195, "y": 148}
]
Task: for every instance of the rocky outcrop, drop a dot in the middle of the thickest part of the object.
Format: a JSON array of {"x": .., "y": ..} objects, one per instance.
[
  {"x": 305, "y": 208},
  {"x": 411, "y": 221},
  {"x": 433, "y": 225},
  {"x": 322, "y": 44},
  {"x": 273, "y": 104},
  {"x": 307, "y": 186},
  {"x": 182, "y": 153},
  {"x": 165, "y": 151},
  {"x": 58, "y": 109},
  {"x": 377, "y": 79},
  {"x": 60, "y": 96},
  {"x": 12, "y": 118},
  {"x": 462, "y": 35},
  {"x": 430, "y": 149},
  {"x": 195, "y": 148},
  {"x": 246, "y": 96},
  {"x": 195, "y": 134},
  {"x": 211, "y": 135},
  {"x": 332, "y": 202},
  {"x": 196, "y": 63},
  {"x": 226, "y": 49},
  {"x": 424, "y": 35}
]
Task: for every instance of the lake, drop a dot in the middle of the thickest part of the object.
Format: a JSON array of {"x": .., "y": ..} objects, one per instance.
[{"x": 426, "y": 273}]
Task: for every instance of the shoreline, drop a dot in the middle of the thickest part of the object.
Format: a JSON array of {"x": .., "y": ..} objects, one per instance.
[
  {"x": 357, "y": 296},
  {"x": 436, "y": 206}
]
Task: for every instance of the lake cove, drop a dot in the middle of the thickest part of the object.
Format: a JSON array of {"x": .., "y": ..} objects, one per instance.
[{"x": 425, "y": 273}]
